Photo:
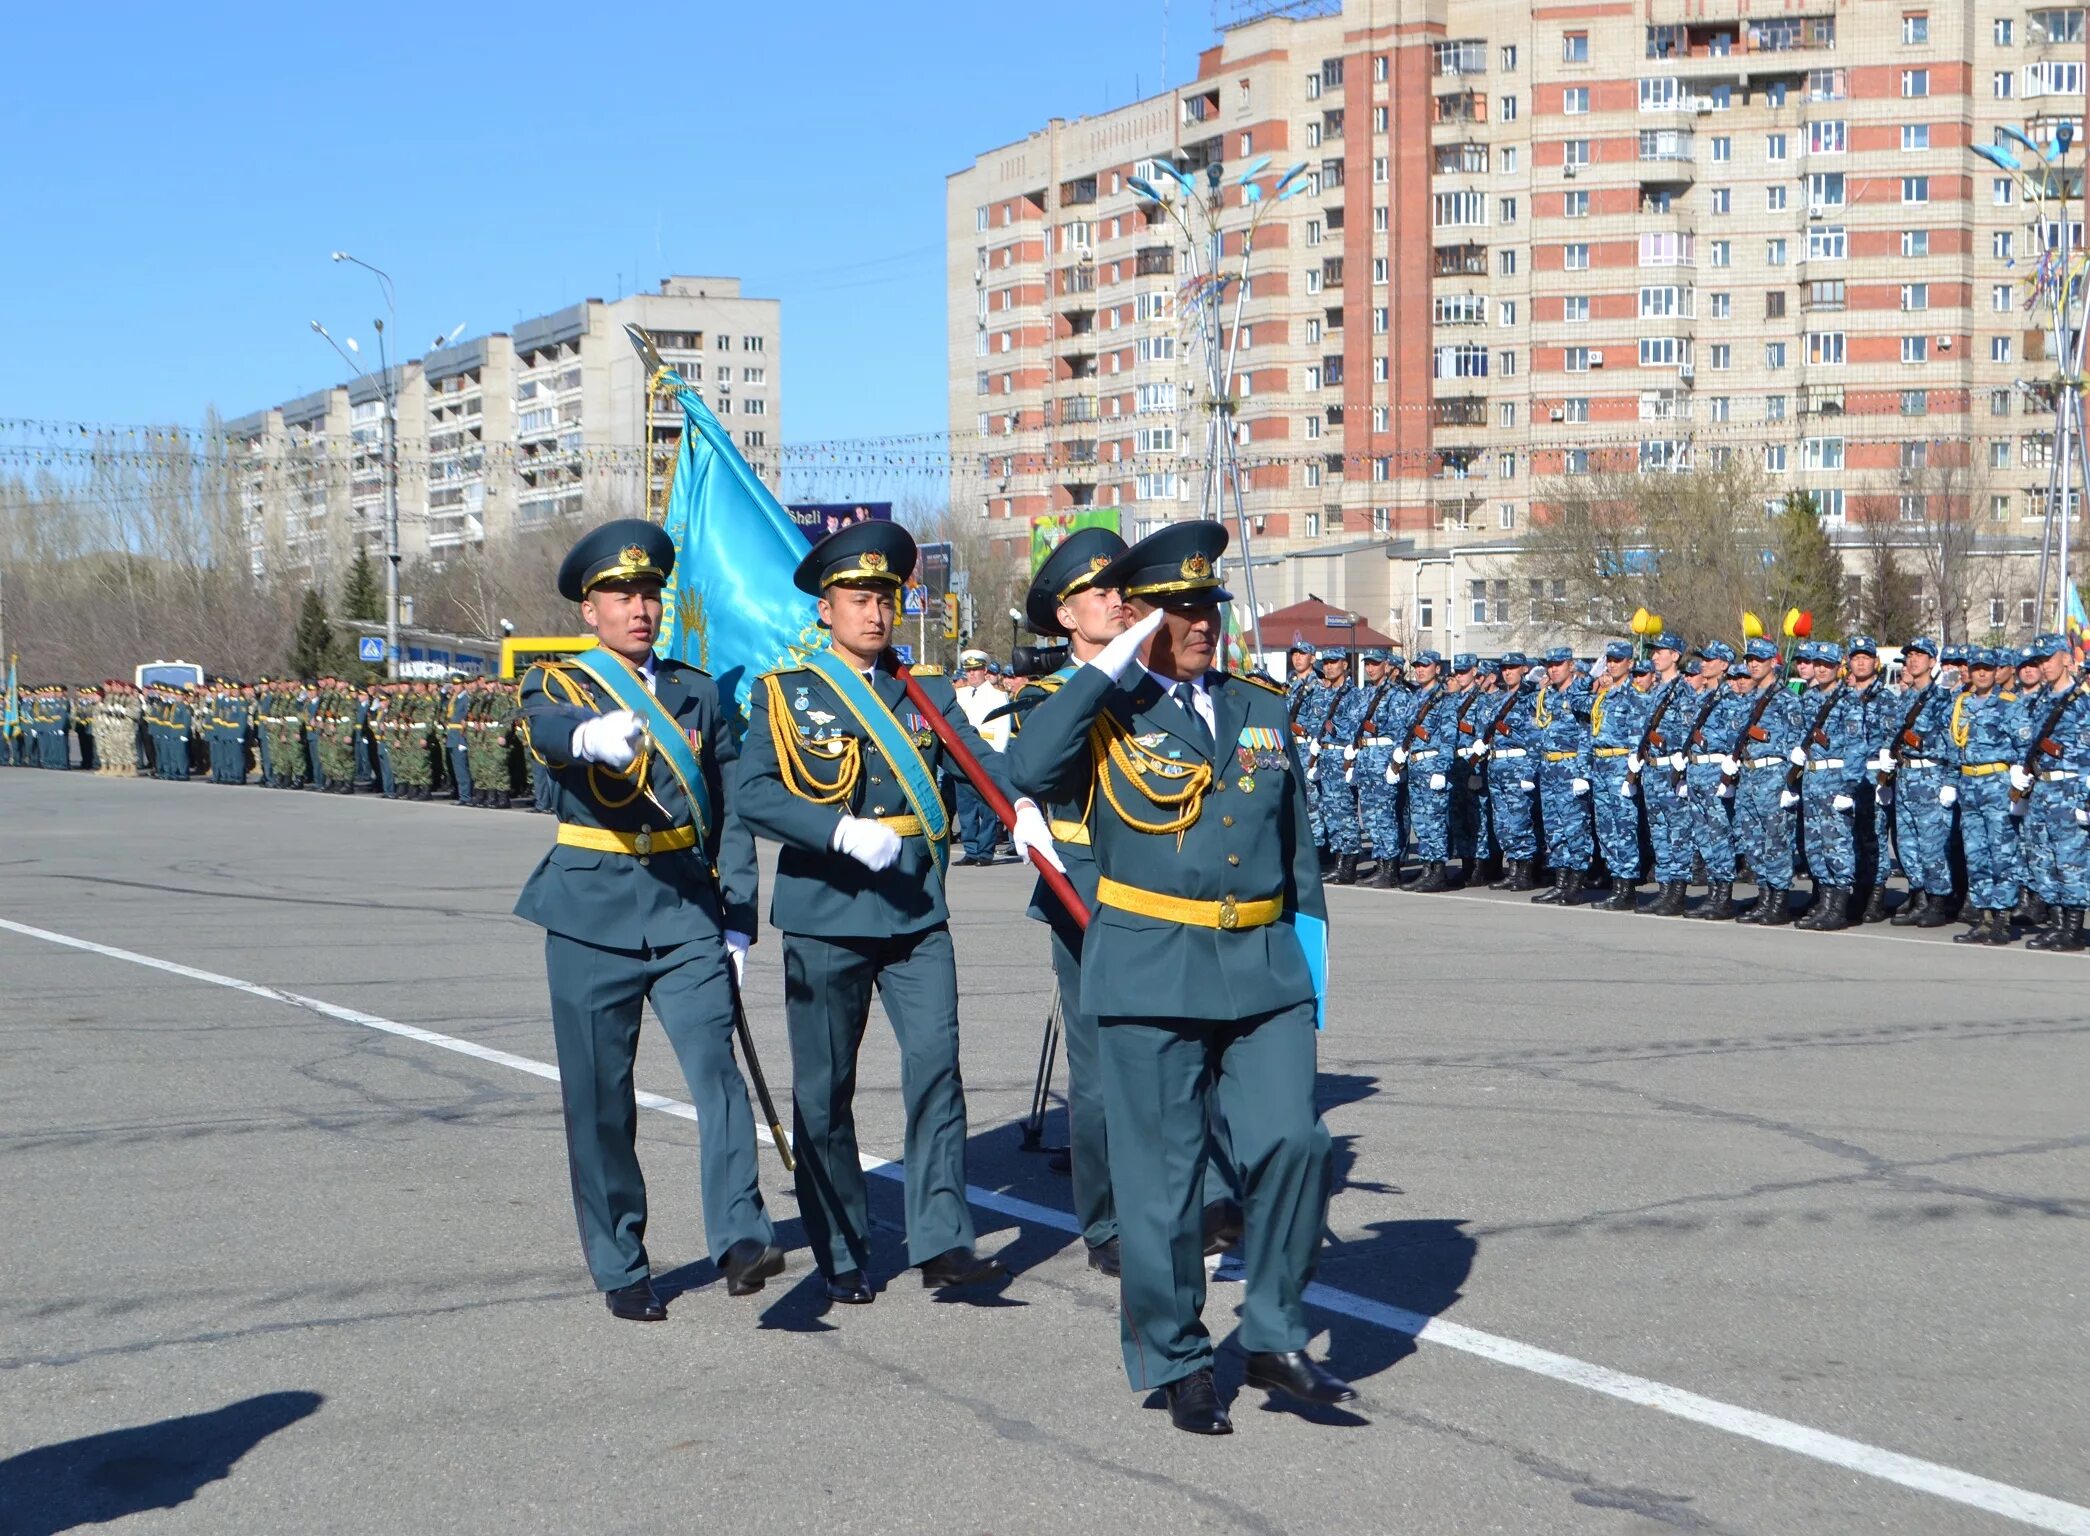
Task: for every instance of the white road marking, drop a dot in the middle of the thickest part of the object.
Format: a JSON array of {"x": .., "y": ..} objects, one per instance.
[{"x": 1911, "y": 1472}]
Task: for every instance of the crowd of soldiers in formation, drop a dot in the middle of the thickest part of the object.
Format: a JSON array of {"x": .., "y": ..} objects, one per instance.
[
  {"x": 406, "y": 740},
  {"x": 1970, "y": 775}
]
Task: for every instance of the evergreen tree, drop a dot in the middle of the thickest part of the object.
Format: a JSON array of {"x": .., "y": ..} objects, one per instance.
[
  {"x": 312, "y": 646},
  {"x": 1806, "y": 571},
  {"x": 361, "y": 595}
]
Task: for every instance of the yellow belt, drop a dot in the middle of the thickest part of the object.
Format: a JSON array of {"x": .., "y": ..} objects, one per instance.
[
  {"x": 603, "y": 840},
  {"x": 1225, "y": 913},
  {"x": 1562, "y": 757},
  {"x": 1612, "y": 751},
  {"x": 1983, "y": 770},
  {"x": 1071, "y": 832},
  {"x": 903, "y": 826}
]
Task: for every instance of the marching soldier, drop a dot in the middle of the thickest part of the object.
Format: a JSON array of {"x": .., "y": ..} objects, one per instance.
[
  {"x": 1309, "y": 711},
  {"x": 648, "y": 894},
  {"x": 1871, "y": 732},
  {"x": 1558, "y": 714},
  {"x": 1209, "y": 906},
  {"x": 1763, "y": 806},
  {"x": 1333, "y": 766},
  {"x": 1426, "y": 761},
  {"x": 1989, "y": 730},
  {"x": 842, "y": 770},
  {"x": 1920, "y": 769}
]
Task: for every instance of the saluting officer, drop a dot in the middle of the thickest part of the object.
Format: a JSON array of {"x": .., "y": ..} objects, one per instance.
[
  {"x": 649, "y": 892},
  {"x": 1200, "y": 964},
  {"x": 842, "y": 769}
]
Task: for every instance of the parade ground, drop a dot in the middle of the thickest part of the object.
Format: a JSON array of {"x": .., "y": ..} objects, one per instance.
[{"x": 1705, "y": 1229}]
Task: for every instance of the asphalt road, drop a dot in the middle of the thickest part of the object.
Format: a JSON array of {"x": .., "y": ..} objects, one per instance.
[{"x": 1718, "y": 1230}]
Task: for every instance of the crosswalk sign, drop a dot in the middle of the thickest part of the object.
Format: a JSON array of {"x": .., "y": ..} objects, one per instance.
[{"x": 370, "y": 648}]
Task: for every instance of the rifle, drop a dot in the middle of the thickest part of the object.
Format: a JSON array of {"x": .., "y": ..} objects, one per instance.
[
  {"x": 1501, "y": 715},
  {"x": 1371, "y": 711},
  {"x": 1796, "y": 772},
  {"x": 1328, "y": 723},
  {"x": 2043, "y": 743},
  {"x": 1769, "y": 690},
  {"x": 1654, "y": 724},
  {"x": 1901, "y": 742},
  {"x": 1417, "y": 731},
  {"x": 1696, "y": 735}
]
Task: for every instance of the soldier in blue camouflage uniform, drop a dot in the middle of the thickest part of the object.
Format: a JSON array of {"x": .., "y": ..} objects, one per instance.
[
  {"x": 1310, "y": 715},
  {"x": 1559, "y": 715},
  {"x": 2058, "y": 794},
  {"x": 1989, "y": 731},
  {"x": 1385, "y": 712},
  {"x": 1874, "y": 822},
  {"x": 1709, "y": 776},
  {"x": 1919, "y": 767},
  {"x": 1469, "y": 822},
  {"x": 1508, "y": 742},
  {"x": 1617, "y": 717},
  {"x": 2032, "y": 911},
  {"x": 1834, "y": 755},
  {"x": 1335, "y": 776},
  {"x": 1763, "y": 806},
  {"x": 1671, "y": 703},
  {"x": 1422, "y": 765}
]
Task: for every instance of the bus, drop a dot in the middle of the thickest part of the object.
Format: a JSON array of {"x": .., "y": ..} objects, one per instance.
[
  {"x": 519, "y": 651},
  {"x": 168, "y": 674}
]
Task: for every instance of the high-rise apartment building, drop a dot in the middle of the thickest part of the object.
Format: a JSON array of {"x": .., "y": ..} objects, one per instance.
[
  {"x": 1538, "y": 241},
  {"x": 513, "y": 430}
]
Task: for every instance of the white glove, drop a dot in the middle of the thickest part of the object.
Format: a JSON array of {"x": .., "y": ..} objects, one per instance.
[
  {"x": 1683, "y": 791},
  {"x": 1031, "y": 833},
  {"x": 1884, "y": 763},
  {"x": 1842, "y": 803},
  {"x": 1526, "y": 785},
  {"x": 1480, "y": 750},
  {"x": 2018, "y": 808},
  {"x": 2082, "y": 817},
  {"x": 736, "y": 954},
  {"x": 1579, "y": 786},
  {"x": 611, "y": 740},
  {"x": 1349, "y": 754},
  {"x": 1949, "y": 795},
  {"x": 1118, "y": 657},
  {"x": 1625, "y": 790},
  {"x": 1400, "y": 756},
  {"x": 1730, "y": 765},
  {"x": 1678, "y": 761},
  {"x": 872, "y": 844},
  {"x": 1797, "y": 757},
  {"x": 1393, "y": 774},
  {"x": 1634, "y": 764},
  {"x": 1313, "y": 750},
  {"x": 1726, "y": 790},
  {"x": 1438, "y": 781},
  {"x": 1886, "y": 793},
  {"x": 1787, "y": 799},
  {"x": 2020, "y": 780}
]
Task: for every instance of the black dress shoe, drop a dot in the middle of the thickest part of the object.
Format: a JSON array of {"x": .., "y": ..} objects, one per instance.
[
  {"x": 850, "y": 1288},
  {"x": 1103, "y": 1257},
  {"x": 1297, "y": 1376},
  {"x": 748, "y": 1263},
  {"x": 1193, "y": 1405},
  {"x": 635, "y": 1303},
  {"x": 1222, "y": 1227},
  {"x": 960, "y": 1266}
]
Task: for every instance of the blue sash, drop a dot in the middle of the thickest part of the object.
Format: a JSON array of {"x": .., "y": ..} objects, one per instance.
[
  {"x": 895, "y": 743},
  {"x": 1313, "y": 939},
  {"x": 629, "y": 691}
]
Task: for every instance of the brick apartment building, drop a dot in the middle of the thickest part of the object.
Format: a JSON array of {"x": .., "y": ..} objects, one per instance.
[{"x": 1539, "y": 239}]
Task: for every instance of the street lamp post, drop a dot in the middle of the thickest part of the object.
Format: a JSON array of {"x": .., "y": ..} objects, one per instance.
[{"x": 389, "y": 390}]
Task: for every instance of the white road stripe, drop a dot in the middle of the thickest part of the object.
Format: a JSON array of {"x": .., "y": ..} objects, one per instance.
[{"x": 1911, "y": 1472}]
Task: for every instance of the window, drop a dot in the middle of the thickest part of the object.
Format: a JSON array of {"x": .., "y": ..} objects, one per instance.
[
  {"x": 1575, "y": 258},
  {"x": 1506, "y": 210},
  {"x": 2001, "y": 82},
  {"x": 1774, "y": 354},
  {"x": 1999, "y": 349},
  {"x": 1774, "y": 196},
  {"x": 1380, "y": 66},
  {"x": 1999, "y": 453},
  {"x": 1774, "y": 148},
  {"x": 1774, "y": 458},
  {"x": 1774, "y": 304},
  {"x": 1664, "y": 351},
  {"x": 1825, "y": 348},
  {"x": 1574, "y": 101},
  {"x": 1379, "y": 370},
  {"x": 1509, "y": 58},
  {"x": 1662, "y": 248},
  {"x": 1507, "y": 159},
  {"x": 1575, "y": 359},
  {"x": 1824, "y": 190},
  {"x": 1574, "y": 47},
  {"x": 1506, "y": 263},
  {"x": 1574, "y": 461},
  {"x": 1461, "y": 209},
  {"x": 1574, "y": 309},
  {"x": 1509, "y": 109},
  {"x": 2057, "y": 26},
  {"x": 1774, "y": 251},
  {"x": 1425, "y": 612},
  {"x": 2000, "y": 298},
  {"x": 1723, "y": 148},
  {"x": 1664, "y": 302},
  {"x": 1379, "y": 170},
  {"x": 1575, "y": 409},
  {"x": 1915, "y": 349},
  {"x": 1575, "y": 205},
  {"x": 1723, "y": 356},
  {"x": 1382, "y": 415},
  {"x": 1723, "y": 199},
  {"x": 1830, "y": 136},
  {"x": 752, "y": 343},
  {"x": 1506, "y": 312},
  {"x": 1660, "y": 93},
  {"x": 2005, "y": 31},
  {"x": 1915, "y": 28},
  {"x": 1313, "y": 135},
  {"x": 1915, "y": 136},
  {"x": 1915, "y": 189},
  {"x": 2002, "y": 192},
  {"x": 2054, "y": 77},
  {"x": 1722, "y": 253},
  {"x": 1506, "y": 414},
  {"x": 1574, "y": 152},
  {"x": 1915, "y": 82},
  {"x": 1915, "y": 242},
  {"x": 1379, "y": 320},
  {"x": 1999, "y": 244},
  {"x": 1379, "y": 221},
  {"x": 1821, "y": 453},
  {"x": 1915, "y": 295},
  {"x": 1826, "y": 84},
  {"x": 1379, "y": 119}
]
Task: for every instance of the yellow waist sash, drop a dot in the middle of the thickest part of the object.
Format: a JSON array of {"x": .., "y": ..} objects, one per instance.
[{"x": 1226, "y": 913}]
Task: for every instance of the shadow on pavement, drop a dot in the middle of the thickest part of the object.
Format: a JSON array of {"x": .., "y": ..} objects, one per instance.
[{"x": 99, "y": 1478}]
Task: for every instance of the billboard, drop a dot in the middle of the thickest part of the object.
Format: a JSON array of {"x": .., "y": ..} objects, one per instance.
[
  {"x": 817, "y": 519},
  {"x": 1047, "y": 531}
]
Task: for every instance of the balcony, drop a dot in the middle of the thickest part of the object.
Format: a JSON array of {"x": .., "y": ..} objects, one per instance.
[
  {"x": 1459, "y": 59},
  {"x": 1460, "y": 411},
  {"x": 1154, "y": 261},
  {"x": 1080, "y": 279},
  {"x": 1078, "y": 408},
  {"x": 1462, "y": 107},
  {"x": 1074, "y": 194},
  {"x": 1332, "y": 372},
  {"x": 1463, "y": 159},
  {"x": 1667, "y": 145},
  {"x": 1461, "y": 261}
]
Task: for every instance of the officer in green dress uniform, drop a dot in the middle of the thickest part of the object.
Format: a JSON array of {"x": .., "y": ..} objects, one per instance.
[
  {"x": 1200, "y": 964},
  {"x": 841, "y": 769},
  {"x": 649, "y": 893}
]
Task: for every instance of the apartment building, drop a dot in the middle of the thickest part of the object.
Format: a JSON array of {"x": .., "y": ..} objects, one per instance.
[
  {"x": 1539, "y": 241},
  {"x": 509, "y": 431}
]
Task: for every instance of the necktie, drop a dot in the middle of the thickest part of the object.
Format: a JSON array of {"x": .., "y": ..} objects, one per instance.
[{"x": 1186, "y": 695}]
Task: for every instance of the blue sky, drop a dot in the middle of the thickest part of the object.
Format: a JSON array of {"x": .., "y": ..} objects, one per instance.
[{"x": 175, "y": 177}]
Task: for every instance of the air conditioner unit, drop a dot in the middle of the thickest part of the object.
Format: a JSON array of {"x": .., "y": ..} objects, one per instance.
[
  {"x": 1558, "y": 416},
  {"x": 1687, "y": 371},
  {"x": 1817, "y": 210},
  {"x": 1085, "y": 254},
  {"x": 1944, "y": 343},
  {"x": 1904, "y": 477},
  {"x": 1568, "y": 171},
  {"x": 1596, "y": 359},
  {"x": 1703, "y": 107},
  {"x": 1258, "y": 523}
]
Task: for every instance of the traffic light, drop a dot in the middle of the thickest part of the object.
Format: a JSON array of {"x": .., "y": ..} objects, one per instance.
[{"x": 950, "y": 616}]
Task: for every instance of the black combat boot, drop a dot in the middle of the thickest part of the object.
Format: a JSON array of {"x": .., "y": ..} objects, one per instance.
[
  {"x": 2032, "y": 911},
  {"x": 1917, "y": 906},
  {"x": 1831, "y": 913},
  {"x": 1875, "y": 906},
  {"x": 1346, "y": 869},
  {"x": 1572, "y": 883},
  {"x": 1555, "y": 894},
  {"x": 1624, "y": 897},
  {"x": 1504, "y": 875},
  {"x": 1719, "y": 901},
  {"x": 1436, "y": 876},
  {"x": 1772, "y": 911},
  {"x": 1521, "y": 876},
  {"x": 1386, "y": 875},
  {"x": 1978, "y": 930},
  {"x": 1936, "y": 913},
  {"x": 1669, "y": 900},
  {"x": 2066, "y": 936}
]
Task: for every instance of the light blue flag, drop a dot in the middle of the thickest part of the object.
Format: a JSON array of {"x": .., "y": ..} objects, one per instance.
[
  {"x": 13, "y": 714},
  {"x": 732, "y": 609}
]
